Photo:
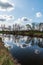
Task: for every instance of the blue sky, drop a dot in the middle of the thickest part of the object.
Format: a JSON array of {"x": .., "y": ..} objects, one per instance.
[{"x": 21, "y": 11}]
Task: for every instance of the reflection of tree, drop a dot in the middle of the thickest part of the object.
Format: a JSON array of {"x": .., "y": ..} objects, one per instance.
[
  {"x": 2, "y": 37},
  {"x": 23, "y": 41},
  {"x": 16, "y": 38},
  {"x": 9, "y": 36},
  {"x": 24, "y": 45},
  {"x": 20, "y": 39},
  {"x": 37, "y": 42},
  {"x": 0, "y": 40},
  {"x": 28, "y": 40},
  {"x": 32, "y": 42},
  {"x": 40, "y": 43},
  {"x": 6, "y": 36}
]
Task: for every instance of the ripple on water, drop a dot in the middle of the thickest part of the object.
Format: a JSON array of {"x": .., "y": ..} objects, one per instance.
[{"x": 37, "y": 51}]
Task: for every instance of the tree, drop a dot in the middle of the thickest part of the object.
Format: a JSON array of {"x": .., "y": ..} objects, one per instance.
[
  {"x": 33, "y": 26},
  {"x": 28, "y": 27}
]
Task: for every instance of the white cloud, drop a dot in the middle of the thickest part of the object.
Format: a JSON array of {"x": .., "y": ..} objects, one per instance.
[
  {"x": 23, "y": 20},
  {"x": 5, "y": 23},
  {"x": 26, "y": 19},
  {"x": 6, "y": 18},
  {"x": 4, "y": 1},
  {"x": 6, "y": 5},
  {"x": 38, "y": 14},
  {"x": 30, "y": 20},
  {"x": 18, "y": 21}
]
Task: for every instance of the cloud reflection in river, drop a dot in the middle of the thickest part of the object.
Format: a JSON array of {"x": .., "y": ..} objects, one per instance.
[{"x": 21, "y": 41}]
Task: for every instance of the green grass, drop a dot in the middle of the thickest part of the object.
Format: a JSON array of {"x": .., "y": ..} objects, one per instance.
[
  {"x": 5, "y": 56},
  {"x": 22, "y": 32},
  {"x": 7, "y": 61}
]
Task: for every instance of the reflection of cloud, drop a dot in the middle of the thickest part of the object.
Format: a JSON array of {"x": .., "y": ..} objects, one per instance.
[
  {"x": 6, "y": 6},
  {"x": 21, "y": 42},
  {"x": 22, "y": 45},
  {"x": 8, "y": 46},
  {"x": 6, "y": 17},
  {"x": 7, "y": 42},
  {"x": 37, "y": 51}
]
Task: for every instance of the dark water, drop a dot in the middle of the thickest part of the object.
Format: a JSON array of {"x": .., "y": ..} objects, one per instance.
[{"x": 27, "y": 50}]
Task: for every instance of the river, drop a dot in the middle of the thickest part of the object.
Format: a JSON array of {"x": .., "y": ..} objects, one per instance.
[{"x": 27, "y": 50}]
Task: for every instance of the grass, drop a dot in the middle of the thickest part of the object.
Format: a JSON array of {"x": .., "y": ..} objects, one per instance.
[
  {"x": 7, "y": 61},
  {"x": 5, "y": 56},
  {"x": 21, "y": 32},
  {"x": 30, "y": 33},
  {"x": 27, "y": 33}
]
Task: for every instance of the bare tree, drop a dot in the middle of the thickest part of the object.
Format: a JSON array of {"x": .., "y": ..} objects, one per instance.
[
  {"x": 28, "y": 27},
  {"x": 33, "y": 26}
]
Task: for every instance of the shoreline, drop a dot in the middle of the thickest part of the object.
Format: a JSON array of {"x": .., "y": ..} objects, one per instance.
[
  {"x": 32, "y": 33},
  {"x": 5, "y": 56}
]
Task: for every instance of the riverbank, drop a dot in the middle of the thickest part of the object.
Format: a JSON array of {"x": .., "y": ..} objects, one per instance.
[
  {"x": 32, "y": 33},
  {"x": 5, "y": 56}
]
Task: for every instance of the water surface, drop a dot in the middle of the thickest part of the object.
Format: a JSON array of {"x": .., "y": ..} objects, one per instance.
[{"x": 27, "y": 50}]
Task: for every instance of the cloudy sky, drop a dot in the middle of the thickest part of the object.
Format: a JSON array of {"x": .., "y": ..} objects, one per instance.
[{"x": 21, "y": 11}]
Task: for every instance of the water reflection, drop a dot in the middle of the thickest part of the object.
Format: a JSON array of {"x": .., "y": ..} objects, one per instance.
[
  {"x": 37, "y": 51},
  {"x": 27, "y": 50},
  {"x": 21, "y": 41}
]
